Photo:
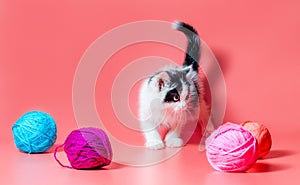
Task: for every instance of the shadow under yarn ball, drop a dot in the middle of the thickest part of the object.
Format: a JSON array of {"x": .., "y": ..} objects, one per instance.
[{"x": 34, "y": 132}]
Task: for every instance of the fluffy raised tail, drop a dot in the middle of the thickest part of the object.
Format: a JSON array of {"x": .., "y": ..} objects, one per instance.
[{"x": 193, "y": 48}]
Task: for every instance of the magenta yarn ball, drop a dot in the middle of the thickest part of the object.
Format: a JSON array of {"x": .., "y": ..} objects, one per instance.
[
  {"x": 88, "y": 148},
  {"x": 231, "y": 148}
]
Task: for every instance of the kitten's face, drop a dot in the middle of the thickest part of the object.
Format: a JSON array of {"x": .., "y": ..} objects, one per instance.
[{"x": 176, "y": 89}]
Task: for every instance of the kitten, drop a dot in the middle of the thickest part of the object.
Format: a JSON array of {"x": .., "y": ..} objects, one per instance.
[{"x": 171, "y": 97}]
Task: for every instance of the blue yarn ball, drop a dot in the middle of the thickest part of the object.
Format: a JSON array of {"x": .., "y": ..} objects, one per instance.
[{"x": 34, "y": 132}]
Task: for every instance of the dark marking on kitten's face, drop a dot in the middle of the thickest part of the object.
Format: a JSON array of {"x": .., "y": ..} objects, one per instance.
[
  {"x": 188, "y": 93},
  {"x": 172, "y": 96},
  {"x": 176, "y": 78},
  {"x": 161, "y": 84}
]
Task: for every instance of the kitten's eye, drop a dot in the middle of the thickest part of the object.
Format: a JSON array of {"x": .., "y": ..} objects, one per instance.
[
  {"x": 172, "y": 96},
  {"x": 176, "y": 98}
]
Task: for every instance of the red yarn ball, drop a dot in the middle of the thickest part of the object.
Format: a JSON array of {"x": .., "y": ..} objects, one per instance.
[
  {"x": 231, "y": 148},
  {"x": 262, "y": 136}
]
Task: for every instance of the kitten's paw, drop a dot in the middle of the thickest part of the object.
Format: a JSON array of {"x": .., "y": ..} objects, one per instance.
[
  {"x": 174, "y": 142},
  {"x": 155, "y": 144}
]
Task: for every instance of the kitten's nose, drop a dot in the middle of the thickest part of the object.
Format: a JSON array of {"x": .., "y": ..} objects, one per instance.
[{"x": 183, "y": 104}]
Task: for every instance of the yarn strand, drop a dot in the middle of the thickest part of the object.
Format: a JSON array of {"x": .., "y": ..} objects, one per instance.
[{"x": 57, "y": 160}]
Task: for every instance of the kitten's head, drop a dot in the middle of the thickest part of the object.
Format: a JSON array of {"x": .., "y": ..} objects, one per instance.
[{"x": 175, "y": 87}]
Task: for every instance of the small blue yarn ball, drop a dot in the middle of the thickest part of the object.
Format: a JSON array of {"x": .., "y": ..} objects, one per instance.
[{"x": 34, "y": 132}]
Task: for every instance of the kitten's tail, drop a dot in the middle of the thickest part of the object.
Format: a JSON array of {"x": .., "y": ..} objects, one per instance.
[{"x": 193, "y": 48}]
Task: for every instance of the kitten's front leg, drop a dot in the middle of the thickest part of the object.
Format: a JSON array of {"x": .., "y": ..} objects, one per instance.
[
  {"x": 152, "y": 136},
  {"x": 173, "y": 138},
  {"x": 153, "y": 140}
]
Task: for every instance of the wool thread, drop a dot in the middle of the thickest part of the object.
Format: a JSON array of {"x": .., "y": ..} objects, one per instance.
[
  {"x": 262, "y": 136},
  {"x": 86, "y": 148},
  {"x": 231, "y": 148},
  {"x": 34, "y": 132}
]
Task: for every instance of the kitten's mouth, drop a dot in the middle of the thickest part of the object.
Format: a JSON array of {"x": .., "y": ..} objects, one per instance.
[{"x": 176, "y": 109}]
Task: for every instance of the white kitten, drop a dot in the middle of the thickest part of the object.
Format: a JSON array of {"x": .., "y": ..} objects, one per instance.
[{"x": 171, "y": 97}]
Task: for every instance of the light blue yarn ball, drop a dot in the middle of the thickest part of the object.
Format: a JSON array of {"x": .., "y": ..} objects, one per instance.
[{"x": 34, "y": 132}]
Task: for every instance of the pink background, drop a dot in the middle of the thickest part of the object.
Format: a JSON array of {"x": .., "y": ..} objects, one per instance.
[{"x": 256, "y": 43}]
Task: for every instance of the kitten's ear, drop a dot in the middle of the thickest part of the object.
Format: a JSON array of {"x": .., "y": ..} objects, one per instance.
[
  {"x": 160, "y": 80},
  {"x": 161, "y": 84},
  {"x": 188, "y": 71}
]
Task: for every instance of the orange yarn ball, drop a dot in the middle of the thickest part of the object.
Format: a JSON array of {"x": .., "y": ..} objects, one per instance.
[{"x": 262, "y": 136}]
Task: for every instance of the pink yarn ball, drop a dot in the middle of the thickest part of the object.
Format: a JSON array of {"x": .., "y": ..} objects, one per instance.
[
  {"x": 231, "y": 148},
  {"x": 87, "y": 148}
]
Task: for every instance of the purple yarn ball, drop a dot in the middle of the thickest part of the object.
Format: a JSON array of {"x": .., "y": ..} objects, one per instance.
[{"x": 88, "y": 148}]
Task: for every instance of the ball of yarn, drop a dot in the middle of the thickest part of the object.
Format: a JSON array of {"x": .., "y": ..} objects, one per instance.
[
  {"x": 262, "y": 136},
  {"x": 87, "y": 148},
  {"x": 231, "y": 148},
  {"x": 34, "y": 132}
]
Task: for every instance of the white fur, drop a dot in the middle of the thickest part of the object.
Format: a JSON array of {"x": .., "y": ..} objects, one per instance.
[{"x": 153, "y": 112}]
